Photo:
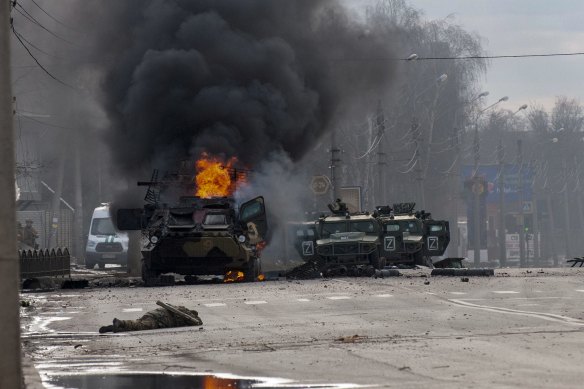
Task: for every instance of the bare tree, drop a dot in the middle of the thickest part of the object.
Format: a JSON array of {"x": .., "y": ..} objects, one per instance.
[
  {"x": 567, "y": 114},
  {"x": 538, "y": 118}
]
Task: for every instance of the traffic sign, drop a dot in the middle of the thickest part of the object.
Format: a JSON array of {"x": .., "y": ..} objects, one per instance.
[
  {"x": 320, "y": 185},
  {"x": 527, "y": 207}
]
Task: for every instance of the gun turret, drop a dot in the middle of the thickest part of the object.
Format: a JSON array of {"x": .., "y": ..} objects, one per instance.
[{"x": 338, "y": 207}]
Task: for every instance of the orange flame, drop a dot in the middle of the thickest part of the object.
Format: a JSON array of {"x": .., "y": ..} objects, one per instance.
[
  {"x": 215, "y": 177},
  {"x": 233, "y": 276}
]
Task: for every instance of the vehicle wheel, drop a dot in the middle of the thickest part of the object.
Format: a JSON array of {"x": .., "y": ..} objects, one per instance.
[
  {"x": 421, "y": 260},
  {"x": 253, "y": 270},
  {"x": 89, "y": 264},
  {"x": 101, "y": 265},
  {"x": 376, "y": 261},
  {"x": 147, "y": 272}
]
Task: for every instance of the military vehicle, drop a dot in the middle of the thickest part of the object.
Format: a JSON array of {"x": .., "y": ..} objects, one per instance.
[
  {"x": 354, "y": 243},
  {"x": 410, "y": 237},
  {"x": 196, "y": 236},
  {"x": 340, "y": 243}
]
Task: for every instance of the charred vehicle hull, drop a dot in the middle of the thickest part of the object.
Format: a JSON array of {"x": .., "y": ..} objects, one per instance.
[
  {"x": 199, "y": 254},
  {"x": 199, "y": 237}
]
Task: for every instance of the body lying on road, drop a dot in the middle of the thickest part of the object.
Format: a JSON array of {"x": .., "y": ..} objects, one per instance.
[{"x": 166, "y": 317}]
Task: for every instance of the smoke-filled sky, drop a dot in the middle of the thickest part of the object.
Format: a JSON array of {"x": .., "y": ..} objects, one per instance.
[{"x": 234, "y": 78}]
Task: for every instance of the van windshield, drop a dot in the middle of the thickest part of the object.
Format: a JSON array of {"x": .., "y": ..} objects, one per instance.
[{"x": 102, "y": 226}]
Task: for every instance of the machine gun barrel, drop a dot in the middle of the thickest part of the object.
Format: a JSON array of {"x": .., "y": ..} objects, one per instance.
[{"x": 147, "y": 183}]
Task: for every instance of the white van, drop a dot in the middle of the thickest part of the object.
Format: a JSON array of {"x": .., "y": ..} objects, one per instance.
[{"x": 104, "y": 243}]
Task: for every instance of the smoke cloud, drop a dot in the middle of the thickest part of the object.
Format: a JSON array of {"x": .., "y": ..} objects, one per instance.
[{"x": 230, "y": 77}]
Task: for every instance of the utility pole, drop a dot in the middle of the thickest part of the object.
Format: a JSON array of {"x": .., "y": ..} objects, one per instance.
[
  {"x": 476, "y": 189},
  {"x": 552, "y": 229},
  {"x": 521, "y": 201},
  {"x": 10, "y": 360},
  {"x": 453, "y": 194},
  {"x": 502, "y": 232},
  {"x": 567, "y": 209},
  {"x": 380, "y": 157},
  {"x": 416, "y": 133},
  {"x": 78, "y": 231},
  {"x": 535, "y": 213},
  {"x": 381, "y": 178},
  {"x": 56, "y": 203},
  {"x": 334, "y": 160}
]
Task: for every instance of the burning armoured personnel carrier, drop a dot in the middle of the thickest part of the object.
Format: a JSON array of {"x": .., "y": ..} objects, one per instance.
[{"x": 196, "y": 236}]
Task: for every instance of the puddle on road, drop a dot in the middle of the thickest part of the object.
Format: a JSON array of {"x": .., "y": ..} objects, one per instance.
[{"x": 171, "y": 381}]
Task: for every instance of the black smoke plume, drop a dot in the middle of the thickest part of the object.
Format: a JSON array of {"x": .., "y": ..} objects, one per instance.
[{"x": 242, "y": 78}]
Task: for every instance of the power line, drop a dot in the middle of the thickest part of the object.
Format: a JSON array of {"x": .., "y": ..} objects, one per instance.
[
  {"x": 47, "y": 124},
  {"x": 497, "y": 56},
  {"x": 31, "y": 18},
  {"x": 34, "y": 46},
  {"x": 37, "y": 61},
  {"x": 463, "y": 57},
  {"x": 51, "y": 16}
]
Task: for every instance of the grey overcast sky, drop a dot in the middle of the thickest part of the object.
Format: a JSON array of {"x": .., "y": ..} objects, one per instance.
[{"x": 509, "y": 27}]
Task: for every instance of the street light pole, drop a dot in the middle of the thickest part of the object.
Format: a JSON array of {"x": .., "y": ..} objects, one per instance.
[
  {"x": 521, "y": 201},
  {"x": 502, "y": 230},
  {"x": 478, "y": 187}
]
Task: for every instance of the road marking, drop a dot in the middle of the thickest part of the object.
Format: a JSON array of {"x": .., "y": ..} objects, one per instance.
[
  {"x": 211, "y": 305},
  {"x": 383, "y": 295},
  {"x": 132, "y": 310},
  {"x": 430, "y": 293},
  {"x": 338, "y": 298},
  {"x": 580, "y": 290},
  {"x": 303, "y": 300},
  {"x": 505, "y": 292},
  {"x": 458, "y": 293},
  {"x": 258, "y": 302},
  {"x": 527, "y": 305},
  {"x": 539, "y": 315},
  {"x": 519, "y": 298}
]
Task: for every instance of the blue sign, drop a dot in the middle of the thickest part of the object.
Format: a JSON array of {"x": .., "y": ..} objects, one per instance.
[{"x": 511, "y": 181}]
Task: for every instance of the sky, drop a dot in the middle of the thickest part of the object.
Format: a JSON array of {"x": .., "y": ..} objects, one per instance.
[{"x": 509, "y": 27}]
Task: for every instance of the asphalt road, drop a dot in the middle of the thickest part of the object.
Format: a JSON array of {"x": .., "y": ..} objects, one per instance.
[{"x": 517, "y": 329}]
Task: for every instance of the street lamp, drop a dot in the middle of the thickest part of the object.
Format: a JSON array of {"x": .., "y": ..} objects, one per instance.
[
  {"x": 522, "y": 262},
  {"x": 478, "y": 187},
  {"x": 437, "y": 83},
  {"x": 524, "y": 106},
  {"x": 501, "y": 178}
]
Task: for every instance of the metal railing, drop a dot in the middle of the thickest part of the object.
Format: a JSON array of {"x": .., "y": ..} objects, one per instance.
[{"x": 44, "y": 263}]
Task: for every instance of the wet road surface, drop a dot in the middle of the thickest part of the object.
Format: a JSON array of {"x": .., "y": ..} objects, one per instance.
[{"x": 524, "y": 330}]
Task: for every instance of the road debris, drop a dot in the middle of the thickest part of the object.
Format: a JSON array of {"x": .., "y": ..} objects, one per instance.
[
  {"x": 351, "y": 339},
  {"x": 575, "y": 261}
]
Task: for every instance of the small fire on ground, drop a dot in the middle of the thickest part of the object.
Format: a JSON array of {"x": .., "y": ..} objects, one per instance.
[{"x": 216, "y": 177}]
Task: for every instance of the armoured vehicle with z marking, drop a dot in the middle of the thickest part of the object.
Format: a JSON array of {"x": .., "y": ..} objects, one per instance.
[
  {"x": 356, "y": 243},
  {"x": 411, "y": 237}
]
